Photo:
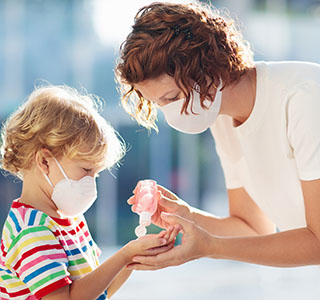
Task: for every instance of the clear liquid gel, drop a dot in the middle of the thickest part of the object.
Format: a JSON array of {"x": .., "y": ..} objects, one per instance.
[{"x": 146, "y": 204}]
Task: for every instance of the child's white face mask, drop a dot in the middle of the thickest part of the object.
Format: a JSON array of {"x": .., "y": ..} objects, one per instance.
[
  {"x": 199, "y": 119},
  {"x": 73, "y": 197}
]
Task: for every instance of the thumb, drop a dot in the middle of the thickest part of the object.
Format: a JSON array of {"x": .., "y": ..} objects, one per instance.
[{"x": 175, "y": 219}]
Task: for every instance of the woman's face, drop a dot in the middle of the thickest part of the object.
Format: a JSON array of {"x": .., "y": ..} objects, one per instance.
[{"x": 161, "y": 90}]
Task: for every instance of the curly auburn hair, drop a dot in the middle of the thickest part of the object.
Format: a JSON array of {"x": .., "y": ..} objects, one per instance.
[
  {"x": 63, "y": 121},
  {"x": 206, "y": 48}
]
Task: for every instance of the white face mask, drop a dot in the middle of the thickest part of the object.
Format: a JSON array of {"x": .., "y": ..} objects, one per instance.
[
  {"x": 73, "y": 197},
  {"x": 199, "y": 119}
]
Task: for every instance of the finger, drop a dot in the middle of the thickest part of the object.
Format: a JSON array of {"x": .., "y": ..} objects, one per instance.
[
  {"x": 136, "y": 266},
  {"x": 152, "y": 241},
  {"x": 165, "y": 192},
  {"x": 175, "y": 219},
  {"x": 174, "y": 233},
  {"x": 132, "y": 200},
  {"x": 167, "y": 203},
  {"x": 162, "y": 234},
  {"x": 168, "y": 232},
  {"x": 158, "y": 250},
  {"x": 160, "y": 259},
  {"x": 134, "y": 208}
]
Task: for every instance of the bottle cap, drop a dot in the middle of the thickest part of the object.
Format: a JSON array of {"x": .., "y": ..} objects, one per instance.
[
  {"x": 140, "y": 231},
  {"x": 145, "y": 218}
]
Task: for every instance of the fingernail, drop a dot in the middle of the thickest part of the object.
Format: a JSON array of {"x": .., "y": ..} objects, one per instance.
[
  {"x": 164, "y": 214},
  {"x": 135, "y": 259},
  {"x": 163, "y": 241}
]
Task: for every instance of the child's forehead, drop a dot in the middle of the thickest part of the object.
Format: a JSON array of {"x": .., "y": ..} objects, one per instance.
[{"x": 88, "y": 163}]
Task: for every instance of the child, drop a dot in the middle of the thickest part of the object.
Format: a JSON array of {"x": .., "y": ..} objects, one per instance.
[{"x": 57, "y": 143}]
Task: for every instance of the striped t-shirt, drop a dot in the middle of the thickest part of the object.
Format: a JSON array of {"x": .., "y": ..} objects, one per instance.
[{"x": 40, "y": 254}]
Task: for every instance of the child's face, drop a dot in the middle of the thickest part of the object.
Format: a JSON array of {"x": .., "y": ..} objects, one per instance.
[{"x": 74, "y": 168}]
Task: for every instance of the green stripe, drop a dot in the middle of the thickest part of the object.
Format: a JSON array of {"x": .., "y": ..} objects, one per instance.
[
  {"x": 77, "y": 262},
  {"x": 5, "y": 277},
  {"x": 25, "y": 232},
  {"x": 46, "y": 279},
  {"x": 43, "y": 219},
  {"x": 7, "y": 224}
]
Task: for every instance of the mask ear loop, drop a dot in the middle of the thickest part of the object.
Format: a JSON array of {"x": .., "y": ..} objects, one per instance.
[{"x": 63, "y": 173}]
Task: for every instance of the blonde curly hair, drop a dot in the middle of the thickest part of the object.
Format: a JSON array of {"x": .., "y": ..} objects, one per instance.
[
  {"x": 63, "y": 121},
  {"x": 190, "y": 42}
]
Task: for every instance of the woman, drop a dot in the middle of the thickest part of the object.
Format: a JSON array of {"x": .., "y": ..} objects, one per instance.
[{"x": 193, "y": 65}]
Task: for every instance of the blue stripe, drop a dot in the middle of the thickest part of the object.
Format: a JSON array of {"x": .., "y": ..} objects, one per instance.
[
  {"x": 41, "y": 270},
  {"x": 91, "y": 243},
  {"x": 76, "y": 251},
  {"x": 103, "y": 296},
  {"x": 15, "y": 220},
  {"x": 4, "y": 270},
  {"x": 73, "y": 252},
  {"x": 32, "y": 217}
]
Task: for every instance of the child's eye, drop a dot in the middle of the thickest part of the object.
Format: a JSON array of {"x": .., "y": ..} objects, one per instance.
[{"x": 87, "y": 170}]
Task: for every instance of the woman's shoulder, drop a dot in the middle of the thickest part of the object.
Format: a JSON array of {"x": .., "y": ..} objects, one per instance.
[{"x": 289, "y": 72}]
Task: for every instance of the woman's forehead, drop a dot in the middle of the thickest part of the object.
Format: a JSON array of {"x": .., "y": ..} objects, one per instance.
[{"x": 156, "y": 87}]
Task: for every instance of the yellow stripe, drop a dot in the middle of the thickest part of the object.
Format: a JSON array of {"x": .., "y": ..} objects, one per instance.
[
  {"x": 5, "y": 239},
  {"x": 80, "y": 272},
  {"x": 51, "y": 225},
  {"x": 27, "y": 243},
  {"x": 14, "y": 284}
]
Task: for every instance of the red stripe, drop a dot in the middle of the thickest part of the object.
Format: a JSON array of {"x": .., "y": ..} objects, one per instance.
[
  {"x": 4, "y": 253},
  {"x": 53, "y": 287},
  {"x": 80, "y": 226},
  {"x": 63, "y": 222},
  {"x": 34, "y": 250},
  {"x": 25, "y": 291}
]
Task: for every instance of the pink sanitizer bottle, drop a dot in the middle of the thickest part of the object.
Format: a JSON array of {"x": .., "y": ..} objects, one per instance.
[{"x": 146, "y": 204}]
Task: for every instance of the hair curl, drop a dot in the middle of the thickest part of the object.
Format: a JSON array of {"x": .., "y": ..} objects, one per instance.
[
  {"x": 62, "y": 120},
  {"x": 207, "y": 48}
]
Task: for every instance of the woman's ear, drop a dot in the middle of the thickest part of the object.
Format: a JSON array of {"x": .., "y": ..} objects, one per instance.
[{"x": 43, "y": 159}]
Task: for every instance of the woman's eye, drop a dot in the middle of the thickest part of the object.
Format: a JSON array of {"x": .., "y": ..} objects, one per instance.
[{"x": 174, "y": 98}]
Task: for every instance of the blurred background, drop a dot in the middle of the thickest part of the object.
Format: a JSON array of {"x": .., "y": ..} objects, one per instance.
[{"x": 76, "y": 42}]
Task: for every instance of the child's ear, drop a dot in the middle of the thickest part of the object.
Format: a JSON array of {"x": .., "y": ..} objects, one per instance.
[{"x": 43, "y": 156}]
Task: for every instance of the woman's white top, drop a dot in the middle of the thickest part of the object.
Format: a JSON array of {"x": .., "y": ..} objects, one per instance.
[{"x": 279, "y": 144}]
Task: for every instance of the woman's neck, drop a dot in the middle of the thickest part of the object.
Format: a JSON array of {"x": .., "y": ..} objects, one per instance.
[{"x": 238, "y": 99}]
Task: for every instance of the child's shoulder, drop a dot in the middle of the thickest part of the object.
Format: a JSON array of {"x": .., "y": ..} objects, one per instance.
[
  {"x": 23, "y": 218},
  {"x": 22, "y": 215}
]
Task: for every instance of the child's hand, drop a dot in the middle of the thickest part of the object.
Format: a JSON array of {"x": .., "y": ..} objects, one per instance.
[{"x": 152, "y": 244}]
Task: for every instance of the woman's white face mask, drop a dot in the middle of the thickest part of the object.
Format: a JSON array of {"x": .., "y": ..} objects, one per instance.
[{"x": 199, "y": 119}]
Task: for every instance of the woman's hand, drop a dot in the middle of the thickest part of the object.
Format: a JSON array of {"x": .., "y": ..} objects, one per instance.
[
  {"x": 167, "y": 202},
  {"x": 196, "y": 243},
  {"x": 151, "y": 244}
]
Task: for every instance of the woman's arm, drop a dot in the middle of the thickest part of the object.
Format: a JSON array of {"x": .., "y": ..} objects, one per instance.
[
  {"x": 284, "y": 249},
  {"x": 245, "y": 217}
]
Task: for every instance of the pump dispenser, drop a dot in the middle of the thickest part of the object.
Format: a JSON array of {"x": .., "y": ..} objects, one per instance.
[{"x": 146, "y": 204}]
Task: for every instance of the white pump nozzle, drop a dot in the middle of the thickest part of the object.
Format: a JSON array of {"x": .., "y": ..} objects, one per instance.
[{"x": 145, "y": 218}]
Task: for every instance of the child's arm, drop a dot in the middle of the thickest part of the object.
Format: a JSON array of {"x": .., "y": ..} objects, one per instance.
[
  {"x": 95, "y": 283},
  {"x": 118, "y": 282},
  {"x": 121, "y": 278}
]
